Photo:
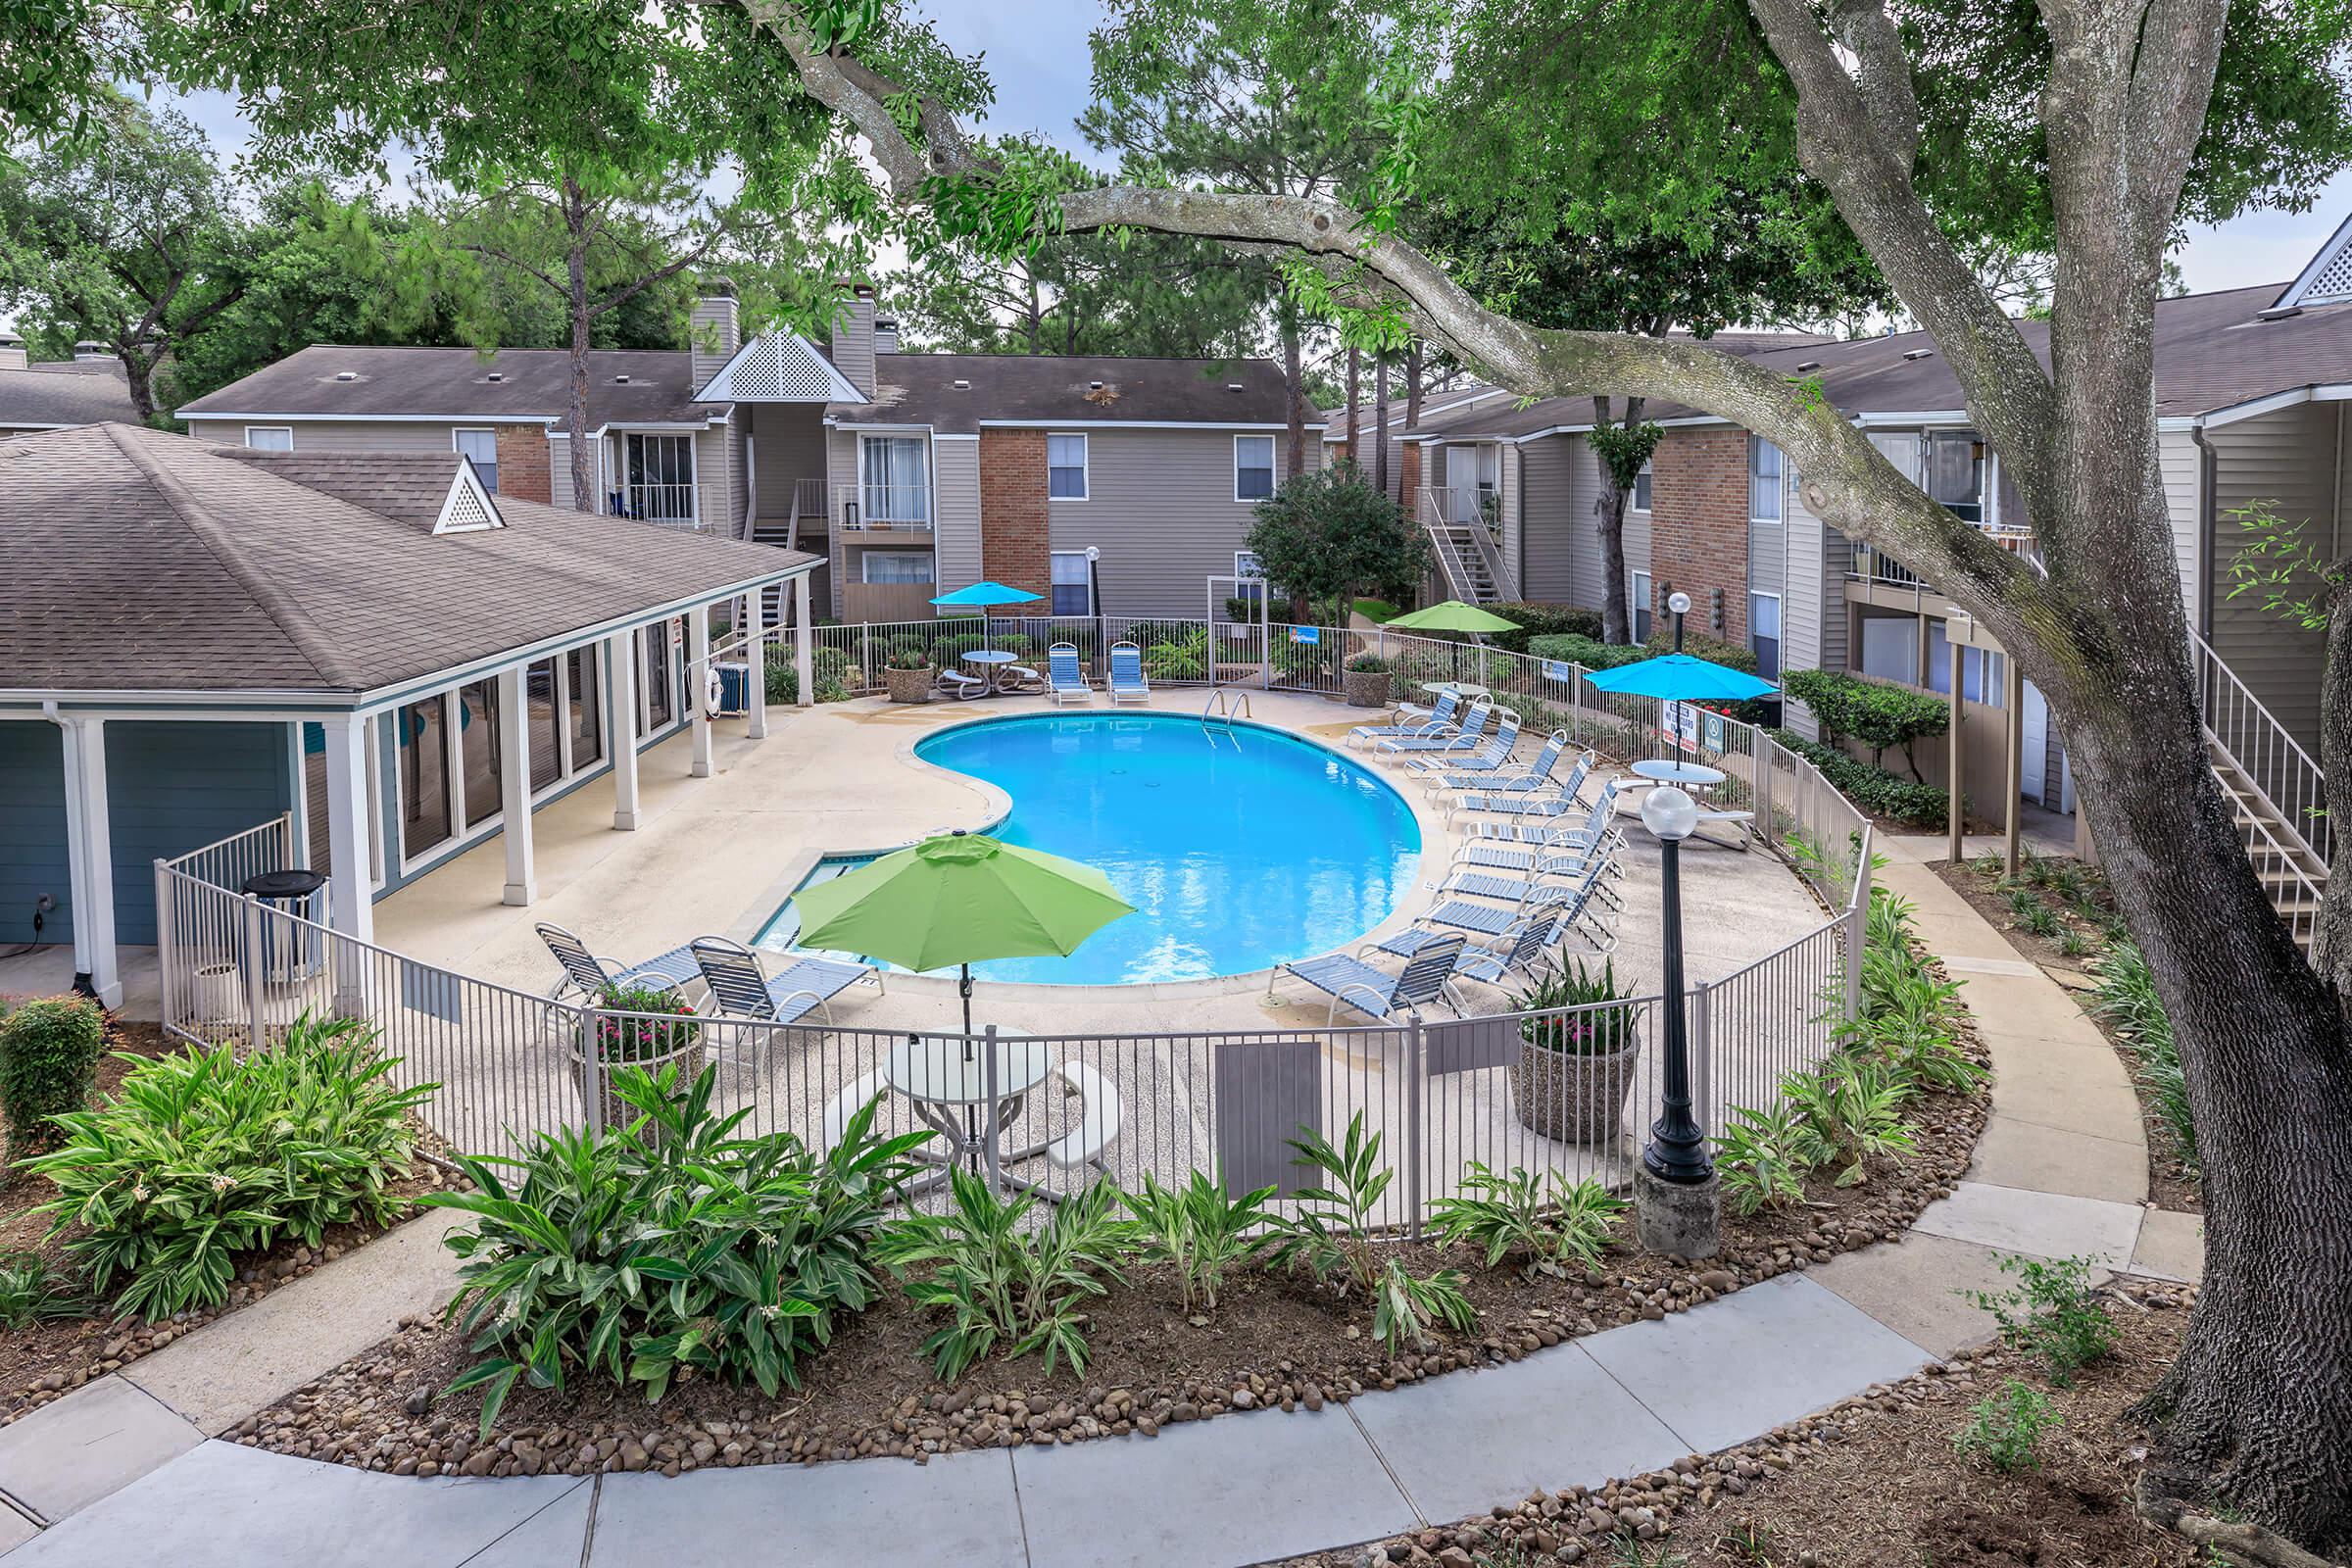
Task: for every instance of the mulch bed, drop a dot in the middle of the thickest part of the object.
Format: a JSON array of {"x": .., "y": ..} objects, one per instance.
[
  {"x": 2171, "y": 1185},
  {"x": 1869, "y": 1483},
  {"x": 1273, "y": 1342},
  {"x": 46, "y": 1362}
]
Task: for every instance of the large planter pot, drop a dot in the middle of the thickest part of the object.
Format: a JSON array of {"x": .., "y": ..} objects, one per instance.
[
  {"x": 616, "y": 1111},
  {"x": 907, "y": 685},
  {"x": 1367, "y": 688},
  {"x": 1573, "y": 1098}
]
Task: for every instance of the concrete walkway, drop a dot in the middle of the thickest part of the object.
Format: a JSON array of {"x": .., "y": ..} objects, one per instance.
[{"x": 125, "y": 1464}]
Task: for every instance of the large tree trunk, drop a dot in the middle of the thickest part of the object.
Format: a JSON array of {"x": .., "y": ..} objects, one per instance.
[
  {"x": 575, "y": 413},
  {"x": 2331, "y": 943},
  {"x": 1412, "y": 384},
  {"x": 1379, "y": 423},
  {"x": 1616, "y": 620},
  {"x": 138, "y": 371}
]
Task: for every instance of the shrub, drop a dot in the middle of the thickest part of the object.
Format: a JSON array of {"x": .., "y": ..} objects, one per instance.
[
  {"x": 1545, "y": 620},
  {"x": 1763, "y": 1158},
  {"x": 1873, "y": 789},
  {"x": 1588, "y": 651},
  {"x": 2051, "y": 1314},
  {"x": 1550, "y": 1223},
  {"x": 1854, "y": 1109},
  {"x": 1881, "y": 715},
  {"x": 908, "y": 659},
  {"x": 1006, "y": 1284},
  {"x": 1199, "y": 1231},
  {"x": 1180, "y": 656},
  {"x": 35, "y": 1289},
  {"x": 1597, "y": 1032},
  {"x": 2126, "y": 1000},
  {"x": 48, "y": 1065},
  {"x": 666, "y": 1246},
  {"x": 1301, "y": 662},
  {"x": 2005, "y": 1428},
  {"x": 783, "y": 682},
  {"x": 1330, "y": 1238},
  {"x": 634, "y": 1039},
  {"x": 201, "y": 1158},
  {"x": 1369, "y": 665}
]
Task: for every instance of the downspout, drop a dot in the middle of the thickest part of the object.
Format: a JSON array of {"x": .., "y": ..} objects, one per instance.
[
  {"x": 76, "y": 873},
  {"x": 2208, "y": 466}
]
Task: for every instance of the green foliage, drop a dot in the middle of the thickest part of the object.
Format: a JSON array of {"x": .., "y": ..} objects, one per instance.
[
  {"x": 2005, "y": 1428},
  {"x": 1588, "y": 651},
  {"x": 1544, "y": 621},
  {"x": 1329, "y": 535},
  {"x": 33, "y": 1288},
  {"x": 1369, "y": 665},
  {"x": 1873, "y": 789},
  {"x": 1763, "y": 1158},
  {"x": 1599, "y": 1031},
  {"x": 1907, "y": 1017},
  {"x": 2125, "y": 998},
  {"x": 2296, "y": 576},
  {"x": 48, "y": 1065},
  {"x": 1003, "y": 1283},
  {"x": 667, "y": 1247},
  {"x": 782, "y": 680},
  {"x": 1180, "y": 656},
  {"x": 1623, "y": 449},
  {"x": 907, "y": 658},
  {"x": 2051, "y": 1314},
  {"x": 1329, "y": 1235},
  {"x": 1550, "y": 1224},
  {"x": 672, "y": 1027},
  {"x": 1854, "y": 1109},
  {"x": 201, "y": 1157},
  {"x": 1199, "y": 1231},
  {"x": 1881, "y": 715}
]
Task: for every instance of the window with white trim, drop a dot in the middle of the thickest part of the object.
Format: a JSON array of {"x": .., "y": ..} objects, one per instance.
[
  {"x": 1065, "y": 468},
  {"x": 1073, "y": 583},
  {"x": 1763, "y": 480},
  {"x": 269, "y": 438},
  {"x": 1642, "y": 489},
  {"x": 1638, "y": 593},
  {"x": 895, "y": 565},
  {"x": 1252, "y": 467},
  {"x": 1764, "y": 634},
  {"x": 480, "y": 448}
]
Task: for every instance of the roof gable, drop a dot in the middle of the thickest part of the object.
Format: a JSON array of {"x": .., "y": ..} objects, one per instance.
[
  {"x": 779, "y": 368},
  {"x": 468, "y": 509}
]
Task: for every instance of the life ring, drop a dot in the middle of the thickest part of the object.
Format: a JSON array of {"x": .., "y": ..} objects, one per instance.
[{"x": 714, "y": 692}]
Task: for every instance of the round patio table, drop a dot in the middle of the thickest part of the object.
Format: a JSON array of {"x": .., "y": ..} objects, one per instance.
[
  {"x": 1465, "y": 688},
  {"x": 993, "y": 660},
  {"x": 947, "y": 1087},
  {"x": 1697, "y": 778}
]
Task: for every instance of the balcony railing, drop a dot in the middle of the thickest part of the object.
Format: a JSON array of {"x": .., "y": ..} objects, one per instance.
[
  {"x": 1874, "y": 565},
  {"x": 672, "y": 506},
  {"x": 866, "y": 508}
]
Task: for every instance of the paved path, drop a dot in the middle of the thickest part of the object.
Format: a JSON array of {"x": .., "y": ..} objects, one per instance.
[{"x": 126, "y": 1464}]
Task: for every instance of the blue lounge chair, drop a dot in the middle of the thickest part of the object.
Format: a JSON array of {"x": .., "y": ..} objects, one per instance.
[
  {"x": 1599, "y": 824},
  {"x": 1376, "y": 992},
  {"x": 739, "y": 989},
  {"x": 1572, "y": 905},
  {"x": 1535, "y": 775},
  {"x": 1430, "y": 722},
  {"x": 1464, "y": 737},
  {"x": 1518, "y": 952},
  {"x": 587, "y": 976},
  {"x": 1544, "y": 885},
  {"x": 1493, "y": 757},
  {"x": 1065, "y": 680},
  {"x": 1127, "y": 682}
]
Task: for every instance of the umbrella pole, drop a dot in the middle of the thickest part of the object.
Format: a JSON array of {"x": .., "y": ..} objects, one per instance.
[{"x": 971, "y": 1126}]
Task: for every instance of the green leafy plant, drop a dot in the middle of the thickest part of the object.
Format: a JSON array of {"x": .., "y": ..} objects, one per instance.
[
  {"x": 1874, "y": 789},
  {"x": 203, "y": 1158},
  {"x": 1330, "y": 1238},
  {"x": 782, "y": 681},
  {"x": 1550, "y": 1224},
  {"x": 1605, "y": 1025},
  {"x": 49, "y": 1052},
  {"x": 1004, "y": 1284},
  {"x": 672, "y": 1028},
  {"x": 2051, "y": 1313},
  {"x": 2126, "y": 999},
  {"x": 2005, "y": 1428},
  {"x": 908, "y": 659},
  {"x": 1763, "y": 1158},
  {"x": 33, "y": 1288},
  {"x": 1854, "y": 1107},
  {"x": 1369, "y": 665},
  {"x": 2042, "y": 919},
  {"x": 1877, "y": 713},
  {"x": 1178, "y": 657},
  {"x": 666, "y": 1247},
  {"x": 1199, "y": 1231},
  {"x": 1535, "y": 619}
]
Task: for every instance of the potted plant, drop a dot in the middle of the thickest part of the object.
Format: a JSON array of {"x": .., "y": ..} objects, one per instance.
[
  {"x": 662, "y": 1029},
  {"x": 907, "y": 674},
  {"x": 1576, "y": 1067},
  {"x": 1368, "y": 681}
]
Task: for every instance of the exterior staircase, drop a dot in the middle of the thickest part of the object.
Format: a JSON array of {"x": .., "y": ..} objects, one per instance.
[
  {"x": 2277, "y": 789},
  {"x": 1466, "y": 553},
  {"x": 808, "y": 510}
]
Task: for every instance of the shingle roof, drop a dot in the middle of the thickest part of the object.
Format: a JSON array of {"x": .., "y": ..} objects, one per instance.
[
  {"x": 1045, "y": 388},
  {"x": 64, "y": 392},
  {"x": 457, "y": 383},
  {"x": 144, "y": 561}
]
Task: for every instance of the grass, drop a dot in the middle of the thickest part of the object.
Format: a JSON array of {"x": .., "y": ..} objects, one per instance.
[{"x": 1378, "y": 610}]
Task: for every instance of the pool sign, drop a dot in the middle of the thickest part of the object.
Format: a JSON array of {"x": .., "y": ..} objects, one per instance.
[
  {"x": 1306, "y": 634},
  {"x": 1558, "y": 669},
  {"x": 1711, "y": 727}
]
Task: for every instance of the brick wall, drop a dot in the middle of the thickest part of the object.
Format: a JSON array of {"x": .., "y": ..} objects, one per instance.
[
  {"x": 1014, "y": 547},
  {"x": 523, "y": 464},
  {"x": 1408, "y": 481},
  {"x": 1699, "y": 529}
]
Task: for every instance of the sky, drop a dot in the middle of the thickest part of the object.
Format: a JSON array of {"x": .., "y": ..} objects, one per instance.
[{"x": 1036, "y": 55}]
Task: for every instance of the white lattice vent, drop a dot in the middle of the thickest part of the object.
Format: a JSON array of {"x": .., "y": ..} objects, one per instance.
[
  {"x": 468, "y": 508},
  {"x": 779, "y": 370}
]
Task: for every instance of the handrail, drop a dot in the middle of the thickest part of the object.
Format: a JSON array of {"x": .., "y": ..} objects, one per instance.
[
  {"x": 2266, "y": 754},
  {"x": 1228, "y": 705}
]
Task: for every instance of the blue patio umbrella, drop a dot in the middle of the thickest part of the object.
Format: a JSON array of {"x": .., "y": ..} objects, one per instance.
[
  {"x": 1682, "y": 678},
  {"x": 980, "y": 596}
]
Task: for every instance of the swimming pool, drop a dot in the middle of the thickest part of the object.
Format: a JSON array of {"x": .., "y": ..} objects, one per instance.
[{"x": 1240, "y": 847}]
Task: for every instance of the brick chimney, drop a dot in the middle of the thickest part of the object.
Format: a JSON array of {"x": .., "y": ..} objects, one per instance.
[
  {"x": 11, "y": 352},
  {"x": 853, "y": 348},
  {"x": 714, "y": 331}
]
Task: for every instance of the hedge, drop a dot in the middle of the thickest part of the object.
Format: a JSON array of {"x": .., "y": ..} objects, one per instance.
[
  {"x": 1536, "y": 619},
  {"x": 1873, "y": 789},
  {"x": 1880, "y": 715},
  {"x": 49, "y": 1054}
]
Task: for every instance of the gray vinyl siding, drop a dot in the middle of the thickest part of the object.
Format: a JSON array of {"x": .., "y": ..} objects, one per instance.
[
  {"x": 171, "y": 787},
  {"x": 1510, "y": 492},
  {"x": 33, "y": 831},
  {"x": 2182, "y": 467},
  {"x": 715, "y": 481},
  {"x": 2289, "y": 461},
  {"x": 1160, "y": 504},
  {"x": 345, "y": 435},
  {"x": 1550, "y": 540},
  {"x": 956, "y": 512},
  {"x": 788, "y": 444},
  {"x": 1814, "y": 558},
  {"x": 841, "y": 470}
]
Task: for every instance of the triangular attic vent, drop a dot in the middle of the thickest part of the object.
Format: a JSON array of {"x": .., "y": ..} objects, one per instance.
[
  {"x": 2327, "y": 278},
  {"x": 468, "y": 508},
  {"x": 779, "y": 368}
]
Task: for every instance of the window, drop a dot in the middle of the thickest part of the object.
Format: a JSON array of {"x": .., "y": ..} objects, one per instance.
[
  {"x": 1763, "y": 480},
  {"x": 657, "y": 478},
  {"x": 1764, "y": 634},
  {"x": 895, "y": 565},
  {"x": 1956, "y": 472},
  {"x": 424, "y": 818},
  {"x": 1066, "y": 467},
  {"x": 1073, "y": 583},
  {"x": 1642, "y": 485},
  {"x": 480, "y": 447},
  {"x": 896, "y": 477},
  {"x": 544, "y": 722},
  {"x": 583, "y": 691},
  {"x": 269, "y": 438},
  {"x": 1891, "y": 648},
  {"x": 477, "y": 742},
  {"x": 656, "y": 676},
  {"x": 1980, "y": 672},
  {"x": 1638, "y": 605},
  {"x": 1252, "y": 467}
]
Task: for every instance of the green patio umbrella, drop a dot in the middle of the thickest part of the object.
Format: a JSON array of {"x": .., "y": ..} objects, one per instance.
[{"x": 1455, "y": 615}]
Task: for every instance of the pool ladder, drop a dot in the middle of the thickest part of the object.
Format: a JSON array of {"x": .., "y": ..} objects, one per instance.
[{"x": 1223, "y": 707}]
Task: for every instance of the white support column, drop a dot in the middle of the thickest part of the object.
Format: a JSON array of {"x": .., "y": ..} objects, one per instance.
[
  {"x": 620, "y": 679},
  {"x": 804, "y": 642},
  {"x": 515, "y": 786},
  {"x": 350, "y": 910},
  {"x": 755, "y": 664},
  {"x": 90, "y": 859},
  {"x": 298, "y": 793},
  {"x": 698, "y": 687}
]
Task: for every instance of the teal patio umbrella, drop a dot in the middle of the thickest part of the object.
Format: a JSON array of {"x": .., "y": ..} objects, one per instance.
[
  {"x": 981, "y": 596},
  {"x": 1682, "y": 678}
]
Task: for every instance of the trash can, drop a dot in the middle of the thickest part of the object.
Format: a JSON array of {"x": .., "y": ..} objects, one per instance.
[
  {"x": 734, "y": 686},
  {"x": 289, "y": 950}
]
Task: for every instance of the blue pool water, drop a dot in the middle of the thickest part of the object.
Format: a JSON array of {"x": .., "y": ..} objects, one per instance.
[{"x": 1238, "y": 850}]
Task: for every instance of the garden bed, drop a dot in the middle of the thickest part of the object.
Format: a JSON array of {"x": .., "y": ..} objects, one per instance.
[{"x": 1873, "y": 1479}]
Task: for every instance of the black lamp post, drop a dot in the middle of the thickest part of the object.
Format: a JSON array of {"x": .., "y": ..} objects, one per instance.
[{"x": 1676, "y": 1150}]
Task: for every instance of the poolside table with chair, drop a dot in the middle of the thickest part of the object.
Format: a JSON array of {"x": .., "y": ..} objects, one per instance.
[
  {"x": 1697, "y": 780},
  {"x": 995, "y": 664}
]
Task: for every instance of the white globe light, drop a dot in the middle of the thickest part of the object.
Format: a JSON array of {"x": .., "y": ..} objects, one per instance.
[
  {"x": 1670, "y": 813},
  {"x": 1680, "y": 603}
]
